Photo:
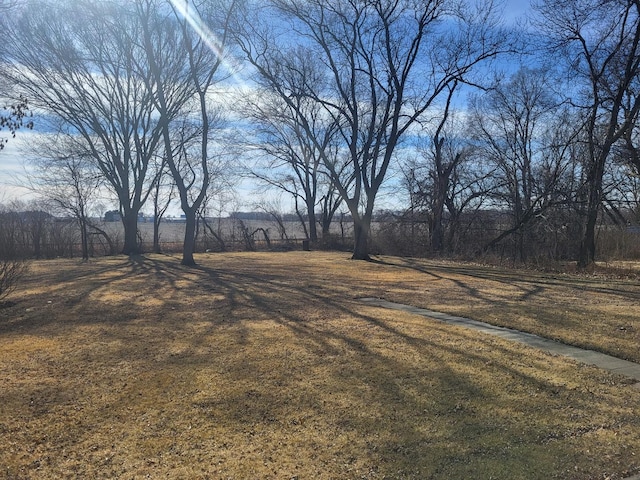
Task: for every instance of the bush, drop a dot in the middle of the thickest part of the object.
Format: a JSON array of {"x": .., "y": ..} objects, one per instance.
[{"x": 11, "y": 271}]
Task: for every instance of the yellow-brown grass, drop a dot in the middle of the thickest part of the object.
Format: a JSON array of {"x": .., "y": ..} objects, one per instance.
[{"x": 262, "y": 365}]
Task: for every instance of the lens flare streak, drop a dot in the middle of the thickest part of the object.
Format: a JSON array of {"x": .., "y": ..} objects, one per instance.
[{"x": 204, "y": 32}]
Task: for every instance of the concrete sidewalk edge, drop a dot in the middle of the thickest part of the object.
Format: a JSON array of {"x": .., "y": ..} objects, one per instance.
[{"x": 591, "y": 357}]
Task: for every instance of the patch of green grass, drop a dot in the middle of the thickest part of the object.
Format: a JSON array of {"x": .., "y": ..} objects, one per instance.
[{"x": 262, "y": 365}]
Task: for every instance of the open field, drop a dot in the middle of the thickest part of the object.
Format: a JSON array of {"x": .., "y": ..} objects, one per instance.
[{"x": 266, "y": 365}]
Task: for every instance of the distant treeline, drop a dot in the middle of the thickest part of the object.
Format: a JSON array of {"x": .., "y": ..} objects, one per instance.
[{"x": 40, "y": 234}]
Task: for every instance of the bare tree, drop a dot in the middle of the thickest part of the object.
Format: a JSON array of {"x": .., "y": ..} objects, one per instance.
[
  {"x": 77, "y": 60},
  {"x": 600, "y": 44},
  {"x": 288, "y": 160},
  {"x": 11, "y": 271},
  {"x": 330, "y": 203},
  {"x": 381, "y": 65},
  {"x": 509, "y": 124},
  {"x": 184, "y": 67},
  {"x": 12, "y": 263},
  {"x": 432, "y": 179},
  {"x": 162, "y": 196},
  {"x": 13, "y": 111},
  {"x": 67, "y": 179},
  {"x": 445, "y": 181},
  {"x": 628, "y": 149}
]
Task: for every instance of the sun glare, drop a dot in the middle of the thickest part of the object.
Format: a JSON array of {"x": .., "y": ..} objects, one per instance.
[{"x": 208, "y": 37}]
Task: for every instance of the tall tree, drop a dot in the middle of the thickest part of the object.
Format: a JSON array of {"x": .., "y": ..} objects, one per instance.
[
  {"x": 600, "y": 44},
  {"x": 433, "y": 179},
  {"x": 628, "y": 148},
  {"x": 288, "y": 160},
  {"x": 185, "y": 63},
  {"x": 509, "y": 124},
  {"x": 67, "y": 180},
  {"x": 446, "y": 179},
  {"x": 380, "y": 65},
  {"x": 162, "y": 196},
  {"x": 14, "y": 112},
  {"x": 77, "y": 60}
]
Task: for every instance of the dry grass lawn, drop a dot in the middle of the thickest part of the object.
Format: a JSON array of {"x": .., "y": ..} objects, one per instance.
[{"x": 266, "y": 365}]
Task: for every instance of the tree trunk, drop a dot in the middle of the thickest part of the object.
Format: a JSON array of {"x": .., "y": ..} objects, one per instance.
[
  {"x": 130, "y": 224},
  {"x": 437, "y": 230},
  {"x": 313, "y": 225},
  {"x": 436, "y": 227},
  {"x": 84, "y": 238},
  {"x": 441, "y": 183},
  {"x": 587, "y": 253},
  {"x": 326, "y": 228},
  {"x": 189, "y": 245},
  {"x": 361, "y": 230},
  {"x": 156, "y": 235}
]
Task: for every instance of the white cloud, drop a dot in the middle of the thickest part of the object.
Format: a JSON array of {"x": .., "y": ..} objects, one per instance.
[{"x": 12, "y": 170}]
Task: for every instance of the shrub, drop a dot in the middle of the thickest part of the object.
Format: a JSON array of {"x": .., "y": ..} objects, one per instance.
[{"x": 11, "y": 271}]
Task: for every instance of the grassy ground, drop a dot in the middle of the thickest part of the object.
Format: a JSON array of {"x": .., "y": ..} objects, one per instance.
[{"x": 267, "y": 366}]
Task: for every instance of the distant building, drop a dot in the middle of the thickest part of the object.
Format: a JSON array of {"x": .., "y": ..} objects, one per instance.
[{"x": 112, "y": 216}]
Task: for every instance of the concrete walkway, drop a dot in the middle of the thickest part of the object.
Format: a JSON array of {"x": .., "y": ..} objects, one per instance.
[{"x": 607, "y": 362}]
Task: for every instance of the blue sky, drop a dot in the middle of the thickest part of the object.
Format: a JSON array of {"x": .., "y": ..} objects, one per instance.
[
  {"x": 515, "y": 9},
  {"x": 11, "y": 164}
]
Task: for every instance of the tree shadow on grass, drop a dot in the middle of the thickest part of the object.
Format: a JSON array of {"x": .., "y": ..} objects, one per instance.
[
  {"x": 531, "y": 284},
  {"x": 382, "y": 390},
  {"x": 7, "y": 304},
  {"x": 360, "y": 392}
]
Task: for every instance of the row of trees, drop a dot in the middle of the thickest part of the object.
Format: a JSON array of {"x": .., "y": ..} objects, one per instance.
[
  {"x": 34, "y": 230},
  {"x": 335, "y": 97},
  {"x": 521, "y": 154},
  {"x": 124, "y": 90}
]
